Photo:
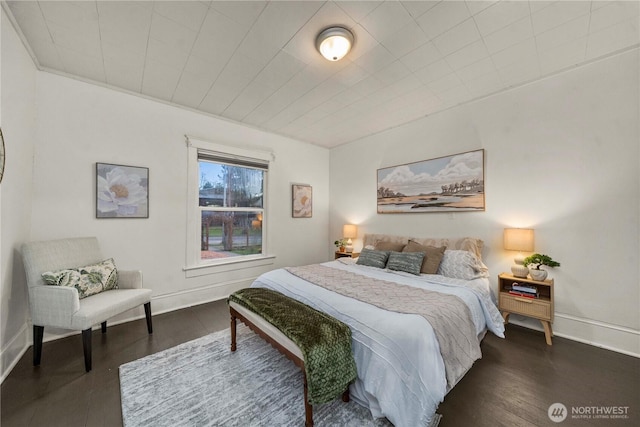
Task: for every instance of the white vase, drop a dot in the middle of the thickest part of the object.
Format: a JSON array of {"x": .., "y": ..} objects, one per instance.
[
  {"x": 519, "y": 270},
  {"x": 538, "y": 275}
]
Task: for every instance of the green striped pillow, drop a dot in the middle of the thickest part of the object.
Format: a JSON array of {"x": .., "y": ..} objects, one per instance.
[
  {"x": 372, "y": 258},
  {"x": 411, "y": 262}
]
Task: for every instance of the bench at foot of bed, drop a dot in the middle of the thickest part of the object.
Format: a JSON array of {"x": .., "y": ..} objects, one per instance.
[{"x": 283, "y": 343}]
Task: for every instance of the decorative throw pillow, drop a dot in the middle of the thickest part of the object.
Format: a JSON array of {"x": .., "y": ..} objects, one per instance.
[
  {"x": 389, "y": 246},
  {"x": 462, "y": 265},
  {"x": 373, "y": 258},
  {"x": 432, "y": 256},
  {"x": 88, "y": 280},
  {"x": 411, "y": 262}
]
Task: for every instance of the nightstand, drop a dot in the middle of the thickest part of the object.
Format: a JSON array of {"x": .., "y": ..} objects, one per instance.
[
  {"x": 346, "y": 254},
  {"x": 540, "y": 308}
]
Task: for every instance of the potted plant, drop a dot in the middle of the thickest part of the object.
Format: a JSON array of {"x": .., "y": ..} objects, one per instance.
[
  {"x": 533, "y": 263},
  {"x": 340, "y": 244}
]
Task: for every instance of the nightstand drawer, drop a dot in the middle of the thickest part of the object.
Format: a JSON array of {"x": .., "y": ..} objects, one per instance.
[{"x": 526, "y": 306}]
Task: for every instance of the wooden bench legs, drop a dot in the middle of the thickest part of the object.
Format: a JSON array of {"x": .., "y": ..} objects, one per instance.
[
  {"x": 233, "y": 333},
  {"x": 308, "y": 409}
]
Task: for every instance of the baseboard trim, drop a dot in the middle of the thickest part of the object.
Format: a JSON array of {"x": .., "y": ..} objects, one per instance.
[
  {"x": 588, "y": 331},
  {"x": 599, "y": 334},
  {"x": 190, "y": 297},
  {"x": 11, "y": 354}
]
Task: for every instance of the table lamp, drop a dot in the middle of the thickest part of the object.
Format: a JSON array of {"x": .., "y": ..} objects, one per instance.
[
  {"x": 521, "y": 240},
  {"x": 349, "y": 231}
]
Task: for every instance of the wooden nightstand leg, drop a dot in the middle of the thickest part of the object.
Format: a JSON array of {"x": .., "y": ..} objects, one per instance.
[
  {"x": 547, "y": 331},
  {"x": 505, "y": 316}
]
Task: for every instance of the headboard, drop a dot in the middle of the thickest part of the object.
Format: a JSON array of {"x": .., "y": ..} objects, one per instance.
[{"x": 470, "y": 244}]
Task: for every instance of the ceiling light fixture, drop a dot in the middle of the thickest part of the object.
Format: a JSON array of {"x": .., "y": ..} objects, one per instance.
[{"x": 334, "y": 43}]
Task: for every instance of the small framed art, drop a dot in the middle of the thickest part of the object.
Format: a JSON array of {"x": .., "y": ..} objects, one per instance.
[
  {"x": 302, "y": 203},
  {"x": 122, "y": 191}
]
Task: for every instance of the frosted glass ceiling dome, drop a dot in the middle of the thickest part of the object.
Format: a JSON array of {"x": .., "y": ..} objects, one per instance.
[{"x": 334, "y": 43}]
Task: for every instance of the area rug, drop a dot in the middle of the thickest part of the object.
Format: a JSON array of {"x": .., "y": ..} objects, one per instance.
[{"x": 202, "y": 383}]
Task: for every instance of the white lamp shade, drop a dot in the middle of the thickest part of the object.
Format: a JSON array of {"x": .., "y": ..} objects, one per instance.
[
  {"x": 334, "y": 43},
  {"x": 349, "y": 231},
  {"x": 518, "y": 239}
]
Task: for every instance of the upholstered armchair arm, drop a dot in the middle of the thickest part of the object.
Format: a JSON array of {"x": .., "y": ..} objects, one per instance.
[
  {"x": 53, "y": 305},
  {"x": 129, "y": 279}
]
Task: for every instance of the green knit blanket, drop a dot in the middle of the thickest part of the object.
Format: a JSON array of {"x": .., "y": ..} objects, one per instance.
[{"x": 324, "y": 341}]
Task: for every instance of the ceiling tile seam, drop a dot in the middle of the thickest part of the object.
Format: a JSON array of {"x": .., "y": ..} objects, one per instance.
[
  {"x": 315, "y": 122},
  {"x": 53, "y": 41},
  {"x": 482, "y": 37},
  {"x": 589, "y": 12},
  {"x": 267, "y": 64},
  {"x": 503, "y": 83},
  {"x": 146, "y": 50},
  {"x": 586, "y": 45},
  {"x": 292, "y": 101},
  {"x": 231, "y": 56},
  {"x": 500, "y": 3},
  {"x": 104, "y": 67},
  {"x": 184, "y": 67},
  {"x": 535, "y": 40},
  {"x": 21, "y": 35},
  {"x": 462, "y": 47},
  {"x": 171, "y": 19},
  {"x": 337, "y": 3},
  {"x": 431, "y": 40},
  {"x": 211, "y": 6}
]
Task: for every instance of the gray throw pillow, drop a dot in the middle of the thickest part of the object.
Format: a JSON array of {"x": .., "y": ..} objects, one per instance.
[
  {"x": 411, "y": 262},
  {"x": 372, "y": 258},
  {"x": 432, "y": 256}
]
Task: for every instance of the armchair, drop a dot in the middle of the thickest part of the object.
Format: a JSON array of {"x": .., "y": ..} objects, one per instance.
[{"x": 61, "y": 307}]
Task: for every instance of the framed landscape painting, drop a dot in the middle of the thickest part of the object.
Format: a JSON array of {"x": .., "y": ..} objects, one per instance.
[
  {"x": 122, "y": 191},
  {"x": 452, "y": 183},
  {"x": 302, "y": 203}
]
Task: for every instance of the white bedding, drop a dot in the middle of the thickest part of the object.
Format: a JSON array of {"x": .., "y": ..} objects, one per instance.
[{"x": 401, "y": 374}]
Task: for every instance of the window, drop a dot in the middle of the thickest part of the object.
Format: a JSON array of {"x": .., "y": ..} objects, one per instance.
[
  {"x": 227, "y": 204},
  {"x": 231, "y": 202}
]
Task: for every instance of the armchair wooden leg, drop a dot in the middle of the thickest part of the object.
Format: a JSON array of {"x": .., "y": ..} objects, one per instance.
[
  {"x": 103, "y": 326},
  {"x": 147, "y": 313},
  {"x": 86, "y": 344},
  {"x": 38, "y": 333}
]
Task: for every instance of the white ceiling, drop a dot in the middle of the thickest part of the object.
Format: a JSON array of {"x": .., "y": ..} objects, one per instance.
[{"x": 255, "y": 61}]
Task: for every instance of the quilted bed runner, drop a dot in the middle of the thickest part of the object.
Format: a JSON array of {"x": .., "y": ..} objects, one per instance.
[
  {"x": 324, "y": 341},
  {"x": 448, "y": 315}
]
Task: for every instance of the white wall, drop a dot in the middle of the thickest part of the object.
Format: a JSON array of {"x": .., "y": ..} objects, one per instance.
[
  {"x": 562, "y": 157},
  {"x": 80, "y": 124},
  {"x": 57, "y": 128},
  {"x": 18, "y": 118}
]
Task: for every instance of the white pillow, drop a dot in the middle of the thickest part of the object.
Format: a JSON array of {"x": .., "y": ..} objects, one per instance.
[{"x": 462, "y": 265}]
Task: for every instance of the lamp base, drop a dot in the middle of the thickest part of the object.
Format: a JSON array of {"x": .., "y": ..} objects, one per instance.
[
  {"x": 519, "y": 271},
  {"x": 349, "y": 249}
]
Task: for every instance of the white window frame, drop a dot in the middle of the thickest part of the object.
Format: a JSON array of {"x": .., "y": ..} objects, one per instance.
[{"x": 196, "y": 266}]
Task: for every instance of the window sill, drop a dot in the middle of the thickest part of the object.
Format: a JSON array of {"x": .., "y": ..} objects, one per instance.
[{"x": 233, "y": 264}]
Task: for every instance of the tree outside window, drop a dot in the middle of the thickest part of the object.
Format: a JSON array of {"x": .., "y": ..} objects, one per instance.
[{"x": 231, "y": 202}]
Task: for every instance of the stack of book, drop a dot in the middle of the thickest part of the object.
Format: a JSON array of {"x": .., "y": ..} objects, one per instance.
[{"x": 524, "y": 290}]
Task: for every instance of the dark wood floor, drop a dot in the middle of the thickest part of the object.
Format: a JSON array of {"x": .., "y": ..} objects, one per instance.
[{"x": 512, "y": 385}]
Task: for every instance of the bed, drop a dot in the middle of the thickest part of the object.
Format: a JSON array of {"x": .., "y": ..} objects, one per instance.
[{"x": 402, "y": 374}]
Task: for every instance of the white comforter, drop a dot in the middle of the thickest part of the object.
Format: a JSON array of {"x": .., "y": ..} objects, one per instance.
[{"x": 401, "y": 374}]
